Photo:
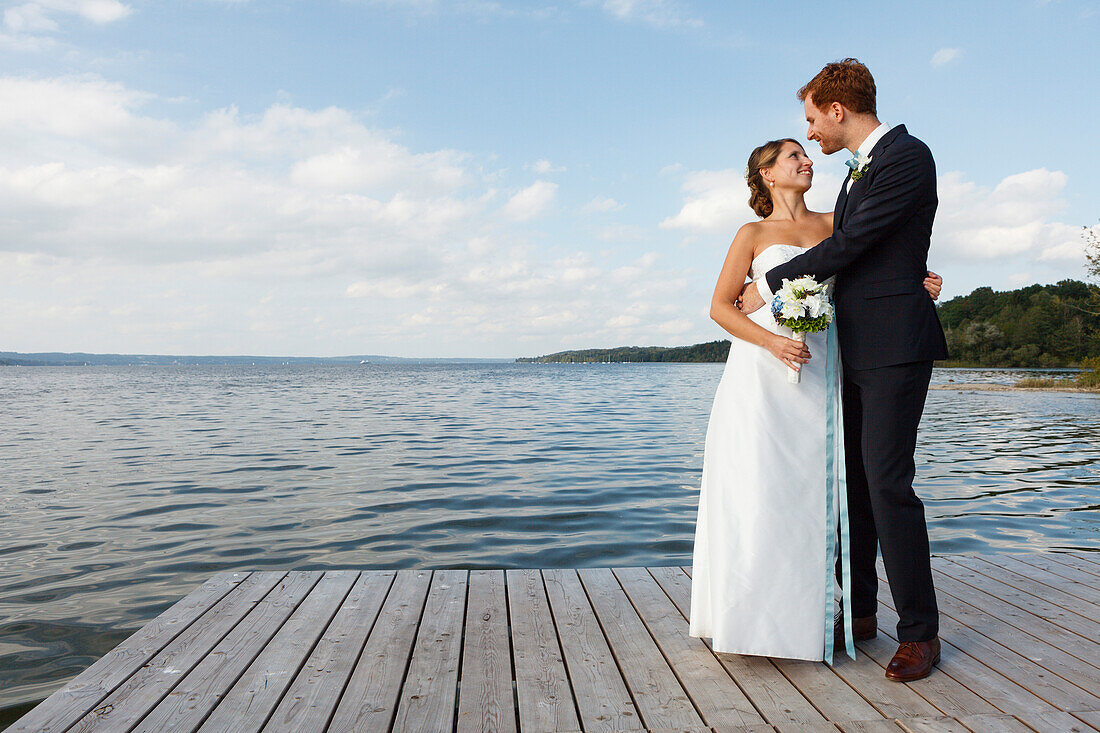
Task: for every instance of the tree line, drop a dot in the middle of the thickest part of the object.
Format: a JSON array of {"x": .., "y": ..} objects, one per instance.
[
  {"x": 711, "y": 351},
  {"x": 1037, "y": 326}
]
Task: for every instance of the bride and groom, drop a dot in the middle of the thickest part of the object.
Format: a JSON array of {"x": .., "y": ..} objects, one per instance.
[{"x": 804, "y": 481}]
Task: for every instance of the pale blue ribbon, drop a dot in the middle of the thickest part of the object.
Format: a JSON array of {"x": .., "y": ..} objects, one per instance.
[{"x": 836, "y": 483}]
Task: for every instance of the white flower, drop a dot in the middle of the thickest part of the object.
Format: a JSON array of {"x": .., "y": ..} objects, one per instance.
[
  {"x": 816, "y": 305},
  {"x": 792, "y": 310},
  {"x": 806, "y": 283}
]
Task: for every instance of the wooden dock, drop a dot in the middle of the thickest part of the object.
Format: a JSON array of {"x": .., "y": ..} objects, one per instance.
[{"x": 593, "y": 649}]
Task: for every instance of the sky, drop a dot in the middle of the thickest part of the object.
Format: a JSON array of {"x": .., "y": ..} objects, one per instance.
[{"x": 468, "y": 178}]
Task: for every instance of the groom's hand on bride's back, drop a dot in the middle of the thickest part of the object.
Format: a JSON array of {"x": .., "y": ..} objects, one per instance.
[{"x": 750, "y": 300}]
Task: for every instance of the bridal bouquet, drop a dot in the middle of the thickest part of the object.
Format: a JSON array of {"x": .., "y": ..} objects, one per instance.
[{"x": 803, "y": 306}]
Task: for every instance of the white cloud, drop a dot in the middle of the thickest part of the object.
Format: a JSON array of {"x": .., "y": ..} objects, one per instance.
[
  {"x": 543, "y": 167},
  {"x": 717, "y": 202},
  {"x": 98, "y": 115},
  {"x": 1014, "y": 218},
  {"x": 657, "y": 13},
  {"x": 41, "y": 15},
  {"x": 531, "y": 201},
  {"x": 288, "y": 231},
  {"x": 394, "y": 288},
  {"x": 476, "y": 8},
  {"x": 601, "y": 204},
  {"x": 945, "y": 56}
]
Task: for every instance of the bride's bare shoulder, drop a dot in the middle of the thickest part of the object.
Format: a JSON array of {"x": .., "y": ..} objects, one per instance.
[
  {"x": 747, "y": 236},
  {"x": 821, "y": 222}
]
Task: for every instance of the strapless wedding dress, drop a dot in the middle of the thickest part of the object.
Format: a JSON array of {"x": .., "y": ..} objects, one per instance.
[{"x": 761, "y": 555}]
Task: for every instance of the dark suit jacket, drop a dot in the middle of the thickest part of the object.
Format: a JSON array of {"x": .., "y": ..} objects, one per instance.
[{"x": 879, "y": 253}]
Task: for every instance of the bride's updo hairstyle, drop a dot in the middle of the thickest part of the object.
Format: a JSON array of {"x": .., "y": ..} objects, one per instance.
[{"x": 760, "y": 198}]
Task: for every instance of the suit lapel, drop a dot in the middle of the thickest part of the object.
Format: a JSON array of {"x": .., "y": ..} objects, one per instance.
[
  {"x": 841, "y": 200},
  {"x": 880, "y": 146}
]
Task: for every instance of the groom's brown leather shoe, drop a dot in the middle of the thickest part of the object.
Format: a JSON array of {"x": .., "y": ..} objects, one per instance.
[
  {"x": 862, "y": 629},
  {"x": 914, "y": 660}
]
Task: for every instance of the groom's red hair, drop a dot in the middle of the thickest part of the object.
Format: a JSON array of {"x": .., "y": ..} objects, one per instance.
[{"x": 848, "y": 82}]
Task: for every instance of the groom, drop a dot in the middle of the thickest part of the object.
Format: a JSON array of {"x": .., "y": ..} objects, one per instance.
[{"x": 889, "y": 335}]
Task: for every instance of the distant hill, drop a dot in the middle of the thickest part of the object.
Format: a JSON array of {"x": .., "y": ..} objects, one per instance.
[
  {"x": 13, "y": 358},
  {"x": 1036, "y": 326},
  {"x": 709, "y": 352}
]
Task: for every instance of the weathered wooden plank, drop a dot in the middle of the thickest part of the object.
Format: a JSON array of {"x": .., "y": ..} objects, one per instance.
[
  {"x": 770, "y": 692},
  {"x": 1092, "y": 717},
  {"x": 945, "y": 724},
  {"x": 1056, "y": 722},
  {"x": 1059, "y": 569},
  {"x": 1030, "y": 618},
  {"x": 946, "y": 689},
  {"x": 603, "y": 701},
  {"x": 543, "y": 696},
  {"x": 428, "y": 696},
  {"x": 716, "y": 696},
  {"x": 657, "y": 693},
  {"x": 979, "y": 666},
  {"x": 1071, "y": 595},
  {"x": 66, "y": 706},
  {"x": 141, "y": 692},
  {"x": 1088, "y": 562},
  {"x": 200, "y": 690},
  {"x": 827, "y": 690},
  {"x": 311, "y": 699},
  {"x": 1019, "y": 639},
  {"x": 989, "y": 616},
  {"x": 1003, "y": 692},
  {"x": 485, "y": 701},
  {"x": 869, "y": 726},
  {"x": 994, "y": 724},
  {"x": 1034, "y": 602},
  {"x": 676, "y": 583},
  {"x": 1067, "y": 573},
  {"x": 889, "y": 698},
  {"x": 370, "y": 698},
  {"x": 818, "y": 727},
  {"x": 256, "y": 694},
  {"x": 1068, "y": 567}
]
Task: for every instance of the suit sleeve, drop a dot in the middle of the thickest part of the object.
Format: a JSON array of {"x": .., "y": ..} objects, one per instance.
[{"x": 896, "y": 193}]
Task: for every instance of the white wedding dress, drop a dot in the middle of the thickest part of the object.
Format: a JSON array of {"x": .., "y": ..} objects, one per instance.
[{"x": 762, "y": 557}]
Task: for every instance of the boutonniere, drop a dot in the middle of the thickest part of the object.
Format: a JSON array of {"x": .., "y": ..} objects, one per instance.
[{"x": 859, "y": 164}]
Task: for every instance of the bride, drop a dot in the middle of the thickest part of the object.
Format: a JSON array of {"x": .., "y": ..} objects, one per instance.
[{"x": 762, "y": 566}]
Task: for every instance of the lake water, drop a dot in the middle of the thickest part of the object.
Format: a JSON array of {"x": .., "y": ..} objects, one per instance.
[{"x": 123, "y": 488}]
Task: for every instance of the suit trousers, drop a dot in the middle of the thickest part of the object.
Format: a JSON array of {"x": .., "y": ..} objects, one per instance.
[{"x": 882, "y": 409}]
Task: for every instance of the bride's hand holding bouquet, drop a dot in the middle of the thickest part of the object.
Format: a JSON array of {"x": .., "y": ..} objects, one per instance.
[{"x": 803, "y": 306}]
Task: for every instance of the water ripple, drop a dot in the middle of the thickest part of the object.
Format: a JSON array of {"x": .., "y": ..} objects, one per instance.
[{"x": 124, "y": 488}]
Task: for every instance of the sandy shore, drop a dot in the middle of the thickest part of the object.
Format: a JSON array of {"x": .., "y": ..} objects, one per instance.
[{"x": 1011, "y": 388}]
